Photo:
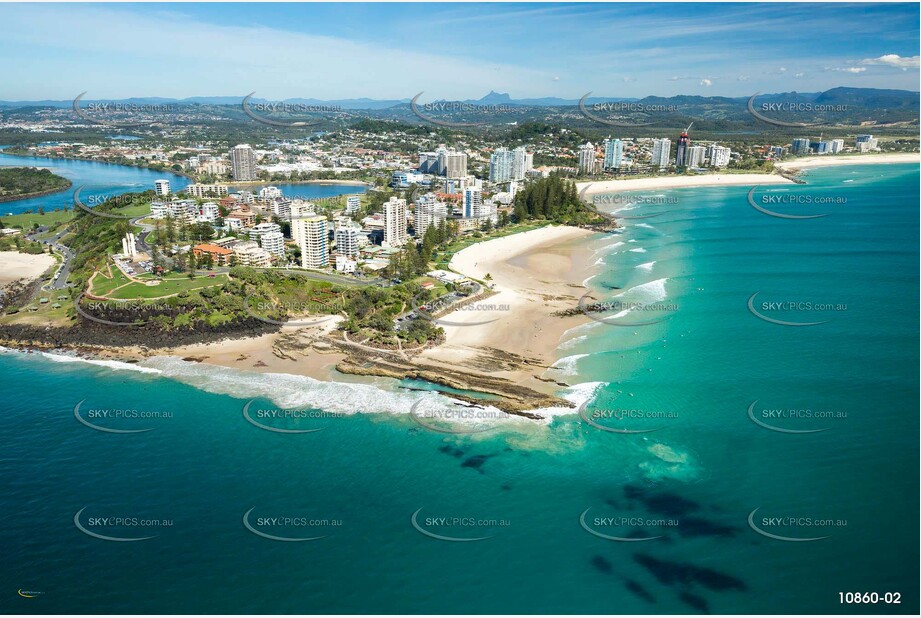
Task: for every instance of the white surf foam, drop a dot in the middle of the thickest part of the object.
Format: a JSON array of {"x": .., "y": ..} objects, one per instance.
[
  {"x": 110, "y": 364},
  {"x": 650, "y": 292},
  {"x": 638, "y": 250},
  {"x": 286, "y": 390},
  {"x": 647, "y": 266},
  {"x": 568, "y": 363},
  {"x": 571, "y": 343},
  {"x": 577, "y": 394}
]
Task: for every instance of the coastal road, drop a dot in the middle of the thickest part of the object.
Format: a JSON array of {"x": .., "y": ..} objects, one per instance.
[
  {"x": 59, "y": 280},
  {"x": 141, "y": 238}
]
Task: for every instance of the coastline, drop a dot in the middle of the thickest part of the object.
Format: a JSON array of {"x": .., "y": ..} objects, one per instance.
[
  {"x": 679, "y": 182},
  {"x": 862, "y": 159},
  {"x": 535, "y": 274}
]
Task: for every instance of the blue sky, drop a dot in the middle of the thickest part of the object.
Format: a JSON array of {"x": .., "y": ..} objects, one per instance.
[{"x": 452, "y": 51}]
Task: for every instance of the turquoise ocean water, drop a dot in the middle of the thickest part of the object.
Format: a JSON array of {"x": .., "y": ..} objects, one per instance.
[{"x": 679, "y": 499}]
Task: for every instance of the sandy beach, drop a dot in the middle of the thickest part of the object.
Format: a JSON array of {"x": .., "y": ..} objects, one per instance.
[
  {"x": 863, "y": 159},
  {"x": 678, "y": 182},
  {"x": 534, "y": 274},
  {"x": 15, "y": 266}
]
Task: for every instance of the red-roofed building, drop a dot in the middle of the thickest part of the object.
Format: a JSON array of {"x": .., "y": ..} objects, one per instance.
[{"x": 220, "y": 255}]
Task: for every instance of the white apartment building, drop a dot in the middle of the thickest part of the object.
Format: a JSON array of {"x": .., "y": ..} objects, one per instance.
[
  {"x": 282, "y": 208},
  {"x": 214, "y": 168},
  {"x": 274, "y": 243},
  {"x": 587, "y": 158},
  {"x": 268, "y": 193},
  {"x": 243, "y": 162},
  {"x": 696, "y": 156},
  {"x": 178, "y": 209},
  {"x": 248, "y": 253},
  {"x": 257, "y": 231},
  {"x": 719, "y": 155},
  {"x": 312, "y": 235},
  {"x": 522, "y": 163},
  {"x": 453, "y": 163},
  {"x": 202, "y": 191},
  {"x": 613, "y": 154},
  {"x": 210, "y": 211},
  {"x": 428, "y": 213},
  {"x": 473, "y": 203},
  {"x": 395, "y": 234},
  {"x": 352, "y": 204},
  {"x": 500, "y": 165},
  {"x": 161, "y": 187},
  {"x": 347, "y": 235},
  {"x": 661, "y": 152}
]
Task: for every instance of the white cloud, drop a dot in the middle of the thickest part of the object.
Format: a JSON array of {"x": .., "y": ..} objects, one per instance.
[
  {"x": 706, "y": 82},
  {"x": 849, "y": 69},
  {"x": 798, "y": 75},
  {"x": 895, "y": 60},
  {"x": 743, "y": 78}
]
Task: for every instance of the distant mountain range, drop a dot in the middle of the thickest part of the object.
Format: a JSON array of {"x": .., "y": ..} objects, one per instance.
[{"x": 870, "y": 98}]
